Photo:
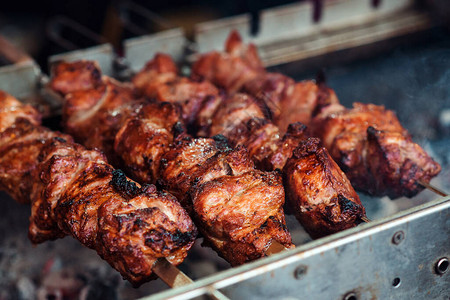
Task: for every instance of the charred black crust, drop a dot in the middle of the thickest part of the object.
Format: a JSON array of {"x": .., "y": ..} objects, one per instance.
[
  {"x": 296, "y": 128},
  {"x": 307, "y": 147},
  {"x": 60, "y": 139},
  {"x": 157, "y": 238},
  {"x": 372, "y": 132},
  {"x": 221, "y": 142},
  {"x": 178, "y": 129},
  {"x": 121, "y": 183},
  {"x": 96, "y": 74},
  {"x": 347, "y": 204},
  {"x": 182, "y": 238}
]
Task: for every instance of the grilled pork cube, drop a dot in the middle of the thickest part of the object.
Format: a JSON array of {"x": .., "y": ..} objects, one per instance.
[
  {"x": 144, "y": 138},
  {"x": 75, "y": 76},
  {"x": 374, "y": 150},
  {"x": 319, "y": 192},
  {"x": 232, "y": 69}
]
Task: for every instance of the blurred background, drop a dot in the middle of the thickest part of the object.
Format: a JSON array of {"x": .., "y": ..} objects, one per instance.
[
  {"x": 29, "y": 25},
  {"x": 38, "y": 27}
]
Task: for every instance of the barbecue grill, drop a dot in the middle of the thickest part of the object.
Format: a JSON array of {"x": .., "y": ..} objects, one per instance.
[{"x": 402, "y": 254}]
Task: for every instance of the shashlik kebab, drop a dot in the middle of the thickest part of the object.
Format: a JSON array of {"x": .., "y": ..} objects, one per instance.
[
  {"x": 74, "y": 191},
  {"x": 239, "y": 69},
  {"x": 237, "y": 208},
  {"x": 368, "y": 142},
  {"x": 319, "y": 192}
]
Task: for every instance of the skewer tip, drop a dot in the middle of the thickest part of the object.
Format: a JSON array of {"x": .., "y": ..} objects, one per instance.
[
  {"x": 275, "y": 247},
  {"x": 365, "y": 219},
  {"x": 432, "y": 188}
]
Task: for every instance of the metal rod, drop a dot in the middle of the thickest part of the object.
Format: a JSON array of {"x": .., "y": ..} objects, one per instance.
[
  {"x": 217, "y": 295},
  {"x": 173, "y": 277},
  {"x": 432, "y": 188}
]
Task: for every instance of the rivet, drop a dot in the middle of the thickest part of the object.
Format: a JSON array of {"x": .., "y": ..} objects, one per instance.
[
  {"x": 350, "y": 296},
  {"x": 441, "y": 266},
  {"x": 396, "y": 282},
  {"x": 300, "y": 272},
  {"x": 398, "y": 237}
]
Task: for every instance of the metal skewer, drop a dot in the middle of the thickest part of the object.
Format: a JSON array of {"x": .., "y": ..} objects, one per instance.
[
  {"x": 432, "y": 188},
  {"x": 424, "y": 184},
  {"x": 174, "y": 277}
]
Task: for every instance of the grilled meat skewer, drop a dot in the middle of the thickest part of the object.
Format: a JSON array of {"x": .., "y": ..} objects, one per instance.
[
  {"x": 367, "y": 142},
  {"x": 74, "y": 191},
  {"x": 241, "y": 119},
  {"x": 239, "y": 68},
  {"x": 379, "y": 158},
  {"x": 219, "y": 186}
]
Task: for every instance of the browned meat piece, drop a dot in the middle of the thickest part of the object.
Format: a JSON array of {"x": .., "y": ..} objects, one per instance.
[
  {"x": 144, "y": 138},
  {"x": 11, "y": 110},
  {"x": 159, "y": 80},
  {"x": 319, "y": 192},
  {"x": 290, "y": 102},
  {"x": 272, "y": 88},
  {"x": 57, "y": 164},
  {"x": 240, "y": 118},
  {"x": 95, "y": 107},
  {"x": 233, "y": 111},
  {"x": 156, "y": 72},
  {"x": 75, "y": 192},
  {"x": 181, "y": 165},
  {"x": 260, "y": 137},
  {"x": 20, "y": 145},
  {"x": 77, "y": 76},
  {"x": 284, "y": 147},
  {"x": 232, "y": 69},
  {"x": 242, "y": 214},
  {"x": 94, "y": 116},
  {"x": 240, "y": 69},
  {"x": 374, "y": 150},
  {"x": 237, "y": 208}
]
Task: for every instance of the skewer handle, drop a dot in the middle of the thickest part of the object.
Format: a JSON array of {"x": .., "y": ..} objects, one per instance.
[
  {"x": 170, "y": 274},
  {"x": 173, "y": 277}
]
